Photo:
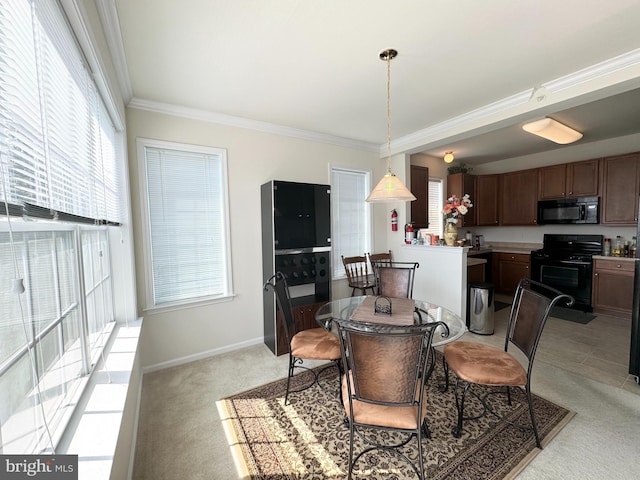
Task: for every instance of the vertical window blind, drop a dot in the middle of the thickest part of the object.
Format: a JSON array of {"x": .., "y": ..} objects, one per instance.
[
  {"x": 188, "y": 223},
  {"x": 57, "y": 142},
  {"x": 350, "y": 215}
]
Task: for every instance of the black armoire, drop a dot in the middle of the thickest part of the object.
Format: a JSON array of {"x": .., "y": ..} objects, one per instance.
[{"x": 296, "y": 240}]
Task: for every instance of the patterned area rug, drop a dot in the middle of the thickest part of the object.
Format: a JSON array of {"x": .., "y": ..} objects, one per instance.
[{"x": 308, "y": 439}]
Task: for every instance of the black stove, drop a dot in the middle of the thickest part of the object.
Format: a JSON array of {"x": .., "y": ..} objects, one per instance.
[{"x": 565, "y": 262}]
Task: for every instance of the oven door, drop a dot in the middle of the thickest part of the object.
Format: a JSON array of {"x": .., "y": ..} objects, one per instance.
[{"x": 572, "y": 277}]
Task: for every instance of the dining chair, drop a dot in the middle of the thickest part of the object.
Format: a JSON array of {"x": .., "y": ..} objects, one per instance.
[
  {"x": 358, "y": 274},
  {"x": 476, "y": 363},
  {"x": 384, "y": 387},
  {"x": 310, "y": 344},
  {"x": 395, "y": 279},
  {"x": 381, "y": 259}
]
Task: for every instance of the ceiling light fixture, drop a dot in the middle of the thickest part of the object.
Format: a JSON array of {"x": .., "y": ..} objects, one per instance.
[
  {"x": 448, "y": 157},
  {"x": 551, "y": 130},
  {"x": 390, "y": 188}
]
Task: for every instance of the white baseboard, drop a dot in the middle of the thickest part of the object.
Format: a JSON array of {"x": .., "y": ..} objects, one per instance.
[{"x": 199, "y": 356}]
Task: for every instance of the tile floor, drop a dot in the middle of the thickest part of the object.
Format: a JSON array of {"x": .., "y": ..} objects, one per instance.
[{"x": 598, "y": 350}]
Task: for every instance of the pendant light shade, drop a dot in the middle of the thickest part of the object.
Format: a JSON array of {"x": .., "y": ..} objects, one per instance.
[{"x": 390, "y": 188}]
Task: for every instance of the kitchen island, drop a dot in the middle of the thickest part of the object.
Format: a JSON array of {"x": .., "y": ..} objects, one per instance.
[{"x": 442, "y": 276}]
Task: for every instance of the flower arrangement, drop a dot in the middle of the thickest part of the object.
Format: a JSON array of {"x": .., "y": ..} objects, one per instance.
[{"x": 454, "y": 207}]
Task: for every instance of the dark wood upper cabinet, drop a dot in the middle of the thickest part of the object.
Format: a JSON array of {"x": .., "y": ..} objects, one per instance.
[
  {"x": 519, "y": 198},
  {"x": 486, "y": 202},
  {"x": 620, "y": 189},
  {"x": 420, "y": 189},
  {"x": 579, "y": 179},
  {"x": 459, "y": 184}
]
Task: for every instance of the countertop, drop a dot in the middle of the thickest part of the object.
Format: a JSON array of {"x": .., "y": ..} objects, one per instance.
[
  {"x": 502, "y": 247},
  {"x": 615, "y": 259},
  {"x": 475, "y": 261}
]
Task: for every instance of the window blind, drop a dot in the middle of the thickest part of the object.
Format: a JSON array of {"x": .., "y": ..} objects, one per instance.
[
  {"x": 57, "y": 143},
  {"x": 187, "y": 205},
  {"x": 435, "y": 207},
  {"x": 350, "y": 215}
]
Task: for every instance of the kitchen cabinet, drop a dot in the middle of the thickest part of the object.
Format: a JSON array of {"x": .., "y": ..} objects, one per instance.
[
  {"x": 578, "y": 179},
  {"x": 612, "y": 288},
  {"x": 459, "y": 184},
  {"x": 420, "y": 190},
  {"x": 519, "y": 198},
  {"x": 305, "y": 318},
  {"x": 508, "y": 269},
  {"x": 486, "y": 201},
  {"x": 620, "y": 188}
]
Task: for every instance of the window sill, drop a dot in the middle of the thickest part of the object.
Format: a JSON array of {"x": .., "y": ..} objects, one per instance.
[
  {"x": 186, "y": 305},
  {"x": 97, "y": 423}
]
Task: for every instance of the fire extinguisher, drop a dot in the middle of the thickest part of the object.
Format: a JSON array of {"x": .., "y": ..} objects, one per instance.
[
  {"x": 394, "y": 220},
  {"x": 408, "y": 234}
]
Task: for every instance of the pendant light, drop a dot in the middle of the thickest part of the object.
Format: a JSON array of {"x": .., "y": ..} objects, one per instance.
[{"x": 390, "y": 188}]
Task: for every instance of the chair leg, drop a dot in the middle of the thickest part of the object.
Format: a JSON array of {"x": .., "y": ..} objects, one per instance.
[
  {"x": 509, "y": 395},
  {"x": 291, "y": 367},
  {"x": 533, "y": 416},
  {"x": 445, "y": 367},
  {"x": 457, "y": 430}
]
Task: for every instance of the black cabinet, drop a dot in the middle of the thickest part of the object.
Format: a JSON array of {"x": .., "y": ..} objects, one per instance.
[
  {"x": 301, "y": 215},
  {"x": 296, "y": 240}
]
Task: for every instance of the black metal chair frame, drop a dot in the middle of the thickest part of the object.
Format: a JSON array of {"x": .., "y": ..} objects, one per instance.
[
  {"x": 525, "y": 287},
  {"x": 382, "y": 266},
  {"x": 422, "y": 335},
  {"x": 278, "y": 284}
]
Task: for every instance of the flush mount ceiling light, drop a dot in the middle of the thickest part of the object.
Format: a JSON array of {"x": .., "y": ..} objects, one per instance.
[
  {"x": 448, "y": 157},
  {"x": 390, "y": 188},
  {"x": 551, "y": 130}
]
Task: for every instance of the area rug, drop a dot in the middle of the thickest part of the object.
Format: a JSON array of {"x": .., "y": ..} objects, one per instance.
[
  {"x": 308, "y": 438},
  {"x": 571, "y": 315}
]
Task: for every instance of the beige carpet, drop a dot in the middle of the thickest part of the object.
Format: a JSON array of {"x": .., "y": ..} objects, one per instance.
[{"x": 308, "y": 439}]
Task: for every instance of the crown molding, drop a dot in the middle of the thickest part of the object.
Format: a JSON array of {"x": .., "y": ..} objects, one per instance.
[
  {"x": 524, "y": 101},
  {"x": 108, "y": 13},
  {"x": 239, "y": 122}
]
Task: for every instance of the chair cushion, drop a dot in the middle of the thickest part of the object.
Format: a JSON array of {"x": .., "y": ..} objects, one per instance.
[
  {"x": 315, "y": 344},
  {"x": 383, "y": 415},
  {"x": 484, "y": 364}
]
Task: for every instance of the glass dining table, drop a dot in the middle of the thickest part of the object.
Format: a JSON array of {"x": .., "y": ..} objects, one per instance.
[{"x": 361, "y": 308}]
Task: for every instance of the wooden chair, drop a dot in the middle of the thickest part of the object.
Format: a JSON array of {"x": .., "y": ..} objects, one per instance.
[
  {"x": 395, "y": 279},
  {"x": 310, "y": 344},
  {"x": 381, "y": 259},
  {"x": 358, "y": 275},
  {"x": 476, "y": 363},
  {"x": 384, "y": 388}
]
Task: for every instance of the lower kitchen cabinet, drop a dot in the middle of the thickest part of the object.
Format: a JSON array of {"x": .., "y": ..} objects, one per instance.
[
  {"x": 508, "y": 269},
  {"x": 612, "y": 288},
  {"x": 305, "y": 318}
]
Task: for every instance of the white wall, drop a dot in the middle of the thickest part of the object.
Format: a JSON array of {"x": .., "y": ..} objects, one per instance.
[{"x": 253, "y": 159}]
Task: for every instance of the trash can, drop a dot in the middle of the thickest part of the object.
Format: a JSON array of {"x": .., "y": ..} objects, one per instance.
[{"x": 480, "y": 311}]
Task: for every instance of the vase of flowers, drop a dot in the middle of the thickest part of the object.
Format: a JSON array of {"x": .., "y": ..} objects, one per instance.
[{"x": 453, "y": 208}]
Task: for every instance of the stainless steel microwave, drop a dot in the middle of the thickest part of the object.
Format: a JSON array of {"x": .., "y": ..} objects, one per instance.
[{"x": 569, "y": 210}]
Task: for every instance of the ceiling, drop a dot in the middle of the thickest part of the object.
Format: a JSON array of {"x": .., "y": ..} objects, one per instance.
[{"x": 467, "y": 76}]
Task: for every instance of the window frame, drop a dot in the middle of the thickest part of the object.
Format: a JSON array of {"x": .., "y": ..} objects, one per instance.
[
  {"x": 337, "y": 269},
  {"x": 150, "y": 305}
]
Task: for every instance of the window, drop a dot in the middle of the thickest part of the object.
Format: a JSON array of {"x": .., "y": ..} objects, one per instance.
[
  {"x": 187, "y": 229},
  {"x": 350, "y": 214},
  {"x": 60, "y": 156},
  {"x": 435, "y": 207}
]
